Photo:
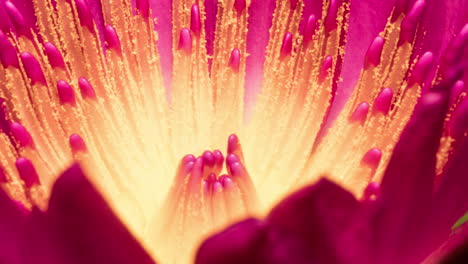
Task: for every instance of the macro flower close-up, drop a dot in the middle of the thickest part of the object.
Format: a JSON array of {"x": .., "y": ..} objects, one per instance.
[{"x": 233, "y": 131}]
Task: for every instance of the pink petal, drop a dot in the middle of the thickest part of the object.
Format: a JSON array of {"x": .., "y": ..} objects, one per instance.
[
  {"x": 260, "y": 19},
  {"x": 162, "y": 11},
  {"x": 454, "y": 250}
]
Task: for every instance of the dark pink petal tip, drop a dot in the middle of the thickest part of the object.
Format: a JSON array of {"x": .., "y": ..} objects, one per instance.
[
  {"x": 410, "y": 23},
  {"x": 21, "y": 134},
  {"x": 16, "y": 18},
  {"x": 27, "y": 172},
  {"x": 84, "y": 14},
  {"x": 185, "y": 40},
  {"x": 383, "y": 101},
  {"x": 77, "y": 143},
  {"x": 86, "y": 89},
  {"x": 112, "y": 39},
  {"x": 325, "y": 68},
  {"x": 374, "y": 52},
  {"x": 65, "y": 93},
  {"x": 234, "y": 60},
  {"x": 8, "y": 54},
  {"x": 195, "y": 21},
  {"x": 33, "y": 68},
  {"x": 360, "y": 113},
  {"x": 54, "y": 56},
  {"x": 286, "y": 46}
]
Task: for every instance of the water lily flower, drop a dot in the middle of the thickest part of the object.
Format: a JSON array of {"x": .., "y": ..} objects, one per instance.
[{"x": 114, "y": 113}]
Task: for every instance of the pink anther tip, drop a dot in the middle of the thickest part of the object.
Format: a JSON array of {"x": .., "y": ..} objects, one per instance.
[
  {"x": 310, "y": 28},
  {"x": 410, "y": 22},
  {"x": 77, "y": 143},
  {"x": 239, "y": 6},
  {"x": 325, "y": 69},
  {"x": 332, "y": 15},
  {"x": 143, "y": 7},
  {"x": 195, "y": 22},
  {"x": 16, "y": 18},
  {"x": 33, "y": 68},
  {"x": 286, "y": 46},
  {"x": 86, "y": 89},
  {"x": 374, "y": 52},
  {"x": 84, "y": 14},
  {"x": 360, "y": 113},
  {"x": 234, "y": 60},
  {"x": 21, "y": 134},
  {"x": 54, "y": 56},
  {"x": 421, "y": 69},
  {"x": 65, "y": 93},
  {"x": 383, "y": 101},
  {"x": 185, "y": 40},
  {"x": 372, "y": 158},
  {"x": 112, "y": 39},
  {"x": 8, "y": 54},
  {"x": 27, "y": 172}
]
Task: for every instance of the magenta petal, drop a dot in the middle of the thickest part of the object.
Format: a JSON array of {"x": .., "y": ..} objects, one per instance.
[
  {"x": 239, "y": 243},
  {"x": 12, "y": 221},
  {"x": 259, "y": 23},
  {"x": 406, "y": 189},
  {"x": 162, "y": 11},
  {"x": 317, "y": 215},
  {"x": 454, "y": 250},
  {"x": 86, "y": 227}
]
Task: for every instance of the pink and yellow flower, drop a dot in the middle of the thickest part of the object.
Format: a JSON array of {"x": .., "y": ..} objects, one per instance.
[{"x": 118, "y": 93}]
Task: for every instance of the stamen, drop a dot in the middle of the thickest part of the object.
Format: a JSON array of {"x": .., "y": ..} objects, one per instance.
[
  {"x": 16, "y": 19},
  {"x": 27, "y": 172},
  {"x": 8, "y": 55},
  {"x": 360, "y": 113},
  {"x": 410, "y": 22},
  {"x": 372, "y": 158},
  {"x": 374, "y": 52},
  {"x": 54, "y": 56},
  {"x": 185, "y": 40},
  {"x": 33, "y": 68},
  {"x": 21, "y": 135},
  {"x": 325, "y": 69},
  {"x": 239, "y": 6},
  {"x": 84, "y": 14},
  {"x": 310, "y": 29},
  {"x": 143, "y": 7},
  {"x": 234, "y": 60},
  {"x": 330, "y": 20},
  {"x": 383, "y": 101},
  {"x": 195, "y": 22},
  {"x": 65, "y": 93},
  {"x": 112, "y": 39},
  {"x": 286, "y": 47},
  {"x": 421, "y": 69},
  {"x": 86, "y": 89},
  {"x": 77, "y": 143}
]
